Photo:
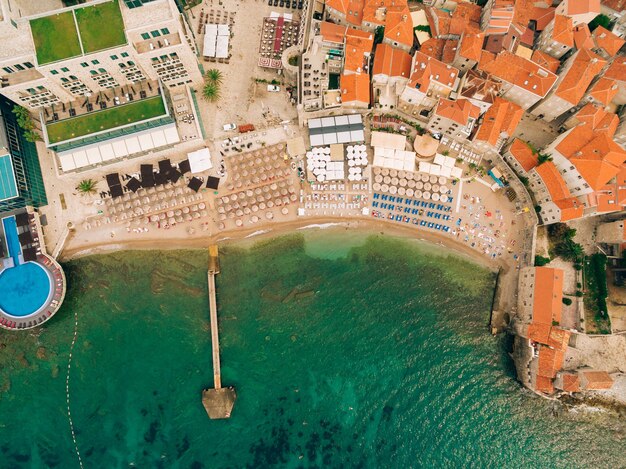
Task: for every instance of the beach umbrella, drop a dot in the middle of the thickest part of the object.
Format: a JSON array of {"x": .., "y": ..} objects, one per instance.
[
  {"x": 170, "y": 213},
  {"x": 376, "y": 186},
  {"x": 286, "y": 200},
  {"x": 401, "y": 174},
  {"x": 378, "y": 178},
  {"x": 178, "y": 212},
  {"x": 255, "y": 208},
  {"x": 171, "y": 221},
  {"x": 418, "y": 194},
  {"x": 377, "y": 170},
  {"x": 436, "y": 196},
  {"x": 408, "y": 175},
  {"x": 284, "y": 211},
  {"x": 433, "y": 179},
  {"x": 221, "y": 226},
  {"x": 442, "y": 180},
  {"x": 393, "y": 190},
  {"x": 262, "y": 206},
  {"x": 221, "y": 210},
  {"x": 278, "y": 202},
  {"x": 394, "y": 181},
  {"x": 238, "y": 222},
  {"x": 427, "y": 186},
  {"x": 244, "y": 203},
  {"x": 384, "y": 188},
  {"x": 229, "y": 186},
  {"x": 424, "y": 177},
  {"x": 222, "y": 216},
  {"x": 236, "y": 205},
  {"x": 239, "y": 185},
  {"x": 247, "y": 210},
  {"x": 435, "y": 187},
  {"x": 410, "y": 183},
  {"x": 273, "y": 186},
  {"x": 385, "y": 172},
  {"x": 443, "y": 189},
  {"x": 393, "y": 172},
  {"x": 270, "y": 204},
  {"x": 443, "y": 198},
  {"x": 403, "y": 182},
  {"x": 401, "y": 191},
  {"x": 254, "y": 219},
  {"x": 419, "y": 185},
  {"x": 410, "y": 192},
  {"x": 426, "y": 195},
  {"x": 180, "y": 219},
  {"x": 233, "y": 197},
  {"x": 269, "y": 215},
  {"x": 239, "y": 212},
  {"x": 387, "y": 179},
  {"x": 293, "y": 197},
  {"x": 203, "y": 213},
  {"x": 201, "y": 206},
  {"x": 225, "y": 199}
]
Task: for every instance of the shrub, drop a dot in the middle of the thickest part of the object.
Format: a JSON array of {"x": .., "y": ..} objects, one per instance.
[
  {"x": 578, "y": 267},
  {"x": 579, "y": 293},
  {"x": 567, "y": 301},
  {"x": 541, "y": 261}
]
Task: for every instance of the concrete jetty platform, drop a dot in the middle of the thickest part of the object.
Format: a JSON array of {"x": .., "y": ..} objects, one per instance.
[{"x": 218, "y": 401}]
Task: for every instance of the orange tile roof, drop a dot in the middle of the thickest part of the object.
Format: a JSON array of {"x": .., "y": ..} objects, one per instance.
[
  {"x": 548, "y": 294},
  {"x": 553, "y": 181},
  {"x": 599, "y": 120},
  {"x": 617, "y": 70},
  {"x": 604, "y": 90},
  {"x": 539, "y": 333},
  {"x": 540, "y": 15},
  {"x": 519, "y": 71},
  {"x": 571, "y": 208},
  {"x": 558, "y": 338},
  {"x": 615, "y": 5},
  {"x": 596, "y": 380},
  {"x": 426, "y": 68},
  {"x": 465, "y": 17},
  {"x": 471, "y": 45},
  {"x": 524, "y": 155},
  {"x": 580, "y": 7},
  {"x": 358, "y": 46},
  {"x": 450, "y": 47},
  {"x": 546, "y": 61},
  {"x": 608, "y": 41},
  {"x": 353, "y": 9},
  {"x": 399, "y": 27},
  {"x": 599, "y": 161},
  {"x": 550, "y": 362},
  {"x": 391, "y": 62},
  {"x": 440, "y": 21},
  {"x": 459, "y": 111},
  {"x": 433, "y": 47},
  {"x": 332, "y": 32},
  {"x": 611, "y": 197},
  {"x": 502, "y": 13},
  {"x": 355, "y": 88},
  {"x": 501, "y": 118},
  {"x": 563, "y": 30},
  {"x": 544, "y": 384},
  {"x": 583, "y": 70},
  {"x": 582, "y": 37},
  {"x": 571, "y": 382}
]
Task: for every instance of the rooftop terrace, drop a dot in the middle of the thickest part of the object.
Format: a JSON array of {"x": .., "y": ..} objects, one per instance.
[
  {"x": 106, "y": 119},
  {"x": 78, "y": 32}
]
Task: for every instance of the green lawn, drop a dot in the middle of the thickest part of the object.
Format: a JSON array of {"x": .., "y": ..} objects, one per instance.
[
  {"x": 55, "y": 37},
  {"x": 101, "y": 26},
  {"x": 105, "y": 120}
]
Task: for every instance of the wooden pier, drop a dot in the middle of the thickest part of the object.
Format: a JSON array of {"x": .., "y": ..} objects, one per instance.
[{"x": 217, "y": 401}]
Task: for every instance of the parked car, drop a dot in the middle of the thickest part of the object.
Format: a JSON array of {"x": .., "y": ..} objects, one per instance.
[
  {"x": 273, "y": 88},
  {"x": 229, "y": 127}
]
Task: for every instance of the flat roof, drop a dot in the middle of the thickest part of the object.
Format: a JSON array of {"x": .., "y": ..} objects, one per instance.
[
  {"x": 77, "y": 32},
  {"x": 8, "y": 184},
  {"x": 105, "y": 119}
]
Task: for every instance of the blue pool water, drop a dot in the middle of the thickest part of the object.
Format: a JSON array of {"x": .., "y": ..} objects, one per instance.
[{"x": 24, "y": 288}]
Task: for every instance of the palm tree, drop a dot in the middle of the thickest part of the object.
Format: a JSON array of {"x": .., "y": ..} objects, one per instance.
[
  {"x": 214, "y": 76},
  {"x": 543, "y": 157},
  {"x": 211, "y": 92},
  {"x": 87, "y": 186}
]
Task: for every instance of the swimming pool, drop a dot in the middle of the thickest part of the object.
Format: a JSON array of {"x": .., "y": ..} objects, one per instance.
[{"x": 26, "y": 287}]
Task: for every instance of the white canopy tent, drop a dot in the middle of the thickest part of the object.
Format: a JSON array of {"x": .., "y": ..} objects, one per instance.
[{"x": 200, "y": 160}]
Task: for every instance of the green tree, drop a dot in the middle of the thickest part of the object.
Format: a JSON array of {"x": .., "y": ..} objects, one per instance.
[
  {"x": 87, "y": 186},
  {"x": 567, "y": 301},
  {"x": 569, "y": 250},
  {"x": 600, "y": 20},
  {"x": 379, "y": 35},
  {"x": 543, "y": 157},
  {"x": 214, "y": 76},
  {"x": 541, "y": 261},
  {"x": 211, "y": 92},
  {"x": 26, "y": 123}
]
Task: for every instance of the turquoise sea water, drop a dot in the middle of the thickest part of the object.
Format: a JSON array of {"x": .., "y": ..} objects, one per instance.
[{"x": 389, "y": 364}]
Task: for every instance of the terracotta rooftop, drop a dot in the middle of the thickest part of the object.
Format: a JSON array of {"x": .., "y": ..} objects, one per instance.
[
  {"x": 391, "y": 62},
  {"x": 563, "y": 30},
  {"x": 353, "y": 9},
  {"x": 560, "y": 195},
  {"x": 611, "y": 197},
  {"x": 426, "y": 68},
  {"x": 501, "y": 17},
  {"x": 540, "y": 15},
  {"x": 480, "y": 86},
  {"x": 355, "y": 87},
  {"x": 571, "y": 208},
  {"x": 617, "y": 70},
  {"x": 547, "y": 304},
  {"x": 399, "y": 27},
  {"x": 546, "y": 61},
  {"x": 604, "y": 90},
  {"x": 524, "y": 155},
  {"x": 580, "y": 7},
  {"x": 615, "y": 5},
  {"x": 377, "y": 11},
  {"x": 519, "y": 71},
  {"x": 471, "y": 45},
  {"x": 596, "y": 380},
  {"x": 459, "y": 111},
  {"x": 599, "y": 161},
  {"x": 433, "y": 47},
  {"x": 332, "y": 32},
  {"x": 583, "y": 70},
  {"x": 600, "y": 121},
  {"x": 358, "y": 47},
  {"x": 582, "y": 37},
  {"x": 571, "y": 382},
  {"x": 550, "y": 362},
  {"x": 465, "y": 17},
  {"x": 502, "y": 118},
  {"x": 608, "y": 41}
]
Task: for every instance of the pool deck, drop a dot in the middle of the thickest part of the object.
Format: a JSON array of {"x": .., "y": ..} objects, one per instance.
[{"x": 59, "y": 285}]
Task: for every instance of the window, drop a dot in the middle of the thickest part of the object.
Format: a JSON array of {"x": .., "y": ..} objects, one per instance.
[
  {"x": 7, "y": 69},
  {"x": 122, "y": 65},
  {"x": 114, "y": 57},
  {"x": 130, "y": 63},
  {"x": 95, "y": 62},
  {"x": 28, "y": 65},
  {"x": 145, "y": 36},
  {"x": 84, "y": 64},
  {"x": 102, "y": 70},
  {"x": 64, "y": 80},
  {"x": 65, "y": 69},
  {"x": 54, "y": 72},
  {"x": 124, "y": 54},
  {"x": 165, "y": 31},
  {"x": 155, "y": 33},
  {"x": 19, "y": 67},
  {"x": 73, "y": 77},
  {"x": 93, "y": 72}
]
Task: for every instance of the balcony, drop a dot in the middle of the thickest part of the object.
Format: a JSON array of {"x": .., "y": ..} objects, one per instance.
[
  {"x": 156, "y": 43},
  {"x": 22, "y": 76}
]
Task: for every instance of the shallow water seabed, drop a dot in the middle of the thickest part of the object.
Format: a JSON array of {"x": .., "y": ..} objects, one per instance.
[{"x": 387, "y": 364}]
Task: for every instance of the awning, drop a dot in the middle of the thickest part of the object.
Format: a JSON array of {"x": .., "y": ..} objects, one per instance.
[{"x": 200, "y": 160}]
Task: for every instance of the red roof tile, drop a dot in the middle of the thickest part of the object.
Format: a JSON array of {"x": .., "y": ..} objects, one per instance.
[
  {"x": 501, "y": 118},
  {"x": 399, "y": 27},
  {"x": 571, "y": 382},
  {"x": 608, "y": 41},
  {"x": 358, "y": 47},
  {"x": 563, "y": 30},
  {"x": 391, "y": 62},
  {"x": 604, "y": 90},
  {"x": 617, "y": 70},
  {"x": 426, "y": 68},
  {"x": 548, "y": 294},
  {"x": 582, "y": 37},
  {"x": 353, "y": 9},
  {"x": 459, "y": 111},
  {"x": 524, "y": 155},
  {"x": 546, "y": 61},
  {"x": 471, "y": 45},
  {"x": 355, "y": 88},
  {"x": 596, "y": 380},
  {"x": 585, "y": 67}
]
